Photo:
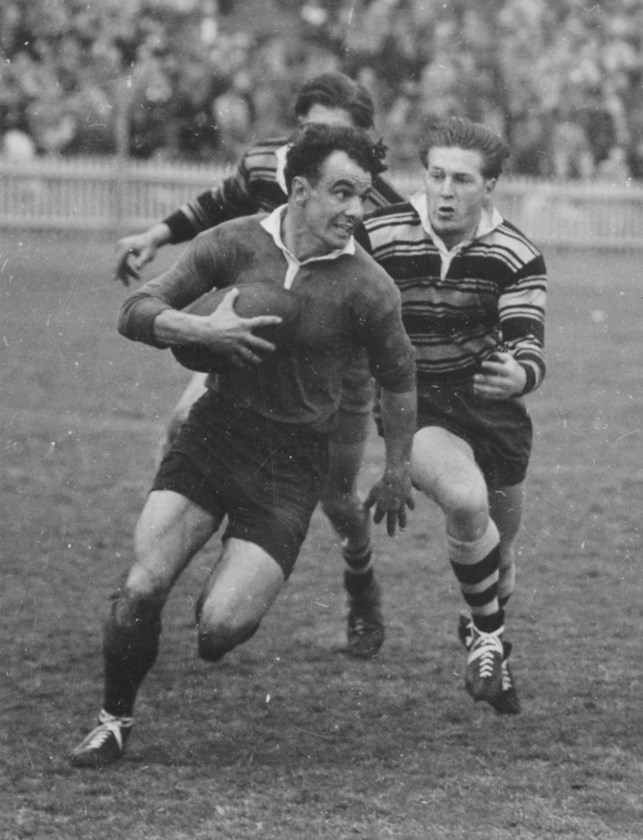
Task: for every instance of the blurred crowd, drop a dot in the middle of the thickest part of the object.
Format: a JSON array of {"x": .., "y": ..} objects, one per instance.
[{"x": 199, "y": 79}]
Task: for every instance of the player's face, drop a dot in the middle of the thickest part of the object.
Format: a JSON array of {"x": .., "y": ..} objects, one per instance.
[
  {"x": 328, "y": 116},
  {"x": 334, "y": 205},
  {"x": 456, "y": 191}
]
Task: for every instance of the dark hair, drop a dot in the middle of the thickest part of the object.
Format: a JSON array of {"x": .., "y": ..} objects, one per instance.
[
  {"x": 336, "y": 90},
  {"x": 465, "y": 134},
  {"x": 312, "y": 144}
]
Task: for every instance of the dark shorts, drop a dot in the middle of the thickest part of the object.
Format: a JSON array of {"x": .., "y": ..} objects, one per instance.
[
  {"x": 354, "y": 418},
  {"x": 500, "y": 433},
  {"x": 266, "y": 477}
]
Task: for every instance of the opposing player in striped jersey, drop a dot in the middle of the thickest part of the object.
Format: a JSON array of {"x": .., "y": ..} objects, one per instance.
[
  {"x": 473, "y": 300},
  {"x": 258, "y": 185}
]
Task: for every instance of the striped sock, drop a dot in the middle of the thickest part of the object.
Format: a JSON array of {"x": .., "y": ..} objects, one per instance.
[
  {"x": 358, "y": 568},
  {"x": 475, "y": 565}
]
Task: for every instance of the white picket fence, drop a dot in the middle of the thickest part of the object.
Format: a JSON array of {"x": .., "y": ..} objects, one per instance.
[{"x": 123, "y": 196}]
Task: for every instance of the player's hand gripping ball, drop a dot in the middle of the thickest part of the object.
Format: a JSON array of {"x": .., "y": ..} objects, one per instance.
[{"x": 253, "y": 299}]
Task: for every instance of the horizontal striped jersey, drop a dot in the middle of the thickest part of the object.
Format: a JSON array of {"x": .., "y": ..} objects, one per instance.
[
  {"x": 458, "y": 307},
  {"x": 256, "y": 186}
]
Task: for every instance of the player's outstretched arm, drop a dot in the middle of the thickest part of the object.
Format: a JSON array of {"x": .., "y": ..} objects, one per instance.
[
  {"x": 135, "y": 251},
  {"x": 231, "y": 198},
  {"x": 392, "y": 495}
]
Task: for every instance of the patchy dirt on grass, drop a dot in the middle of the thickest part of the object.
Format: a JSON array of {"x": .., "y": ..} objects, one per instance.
[{"x": 287, "y": 738}]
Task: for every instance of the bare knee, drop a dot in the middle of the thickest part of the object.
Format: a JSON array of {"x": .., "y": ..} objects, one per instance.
[
  {"x": 215, "y": 637},
  {"x": 215, "y": 640},
  {"x": 467, "y": 510}
]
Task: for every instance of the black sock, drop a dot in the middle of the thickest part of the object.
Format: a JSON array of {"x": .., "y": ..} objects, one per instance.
[
  {"x": 489, "y": 623},
  {"x": 123, "y": 678},
  {"x": 357, "y": 582},
  {"x": 129, "y": 652}
]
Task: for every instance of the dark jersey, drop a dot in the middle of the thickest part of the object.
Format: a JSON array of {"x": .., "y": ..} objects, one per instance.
[{"x": 346, "y": 303}]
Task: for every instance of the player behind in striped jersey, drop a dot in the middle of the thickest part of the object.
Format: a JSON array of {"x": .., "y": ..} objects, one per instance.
[
  {"x": 258, "y": 185},
  {"x": 473, "y": 300}
]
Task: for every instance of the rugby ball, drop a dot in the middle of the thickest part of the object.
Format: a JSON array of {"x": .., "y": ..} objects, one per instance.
[{"x": 253, "y": 299}]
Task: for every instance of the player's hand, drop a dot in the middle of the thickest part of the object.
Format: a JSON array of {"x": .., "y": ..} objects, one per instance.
[
  {"x": 391, "y": 496},
  {"x": 232, "y": 336},
  {"x": 501, "y": 378},
  {"x": 132, "y": 253}
]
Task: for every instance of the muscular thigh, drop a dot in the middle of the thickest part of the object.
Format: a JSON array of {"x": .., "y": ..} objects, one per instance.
[
  {"x": 170, "y": 531},
  {"x": 443, "y": 464},
  {"x": 242, "y": 586}
]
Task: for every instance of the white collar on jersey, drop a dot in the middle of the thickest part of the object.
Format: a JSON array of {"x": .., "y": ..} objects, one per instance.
[
  {"x": 272, "y": 224},
  {"x": 280, "y": 176},
  {"x": 489, "y": 219}
]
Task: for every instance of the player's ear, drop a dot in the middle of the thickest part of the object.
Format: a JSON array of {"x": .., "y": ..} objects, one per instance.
[
  {"x": 300, "y": 188},
  {"x": 490, "y": 185}
]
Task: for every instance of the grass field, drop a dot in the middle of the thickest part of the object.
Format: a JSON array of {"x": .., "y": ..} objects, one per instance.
[{"x": 287, "y": 738}]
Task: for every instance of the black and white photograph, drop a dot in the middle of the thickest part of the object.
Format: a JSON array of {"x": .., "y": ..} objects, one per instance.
[{"x": 322, "y": 480}]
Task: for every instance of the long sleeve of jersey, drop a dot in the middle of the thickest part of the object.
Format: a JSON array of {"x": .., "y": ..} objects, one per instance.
[
  {"x": 521, "y": 312},
  {"x": 252, "y": 188},
  {"x": 492, "y": 290}
]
